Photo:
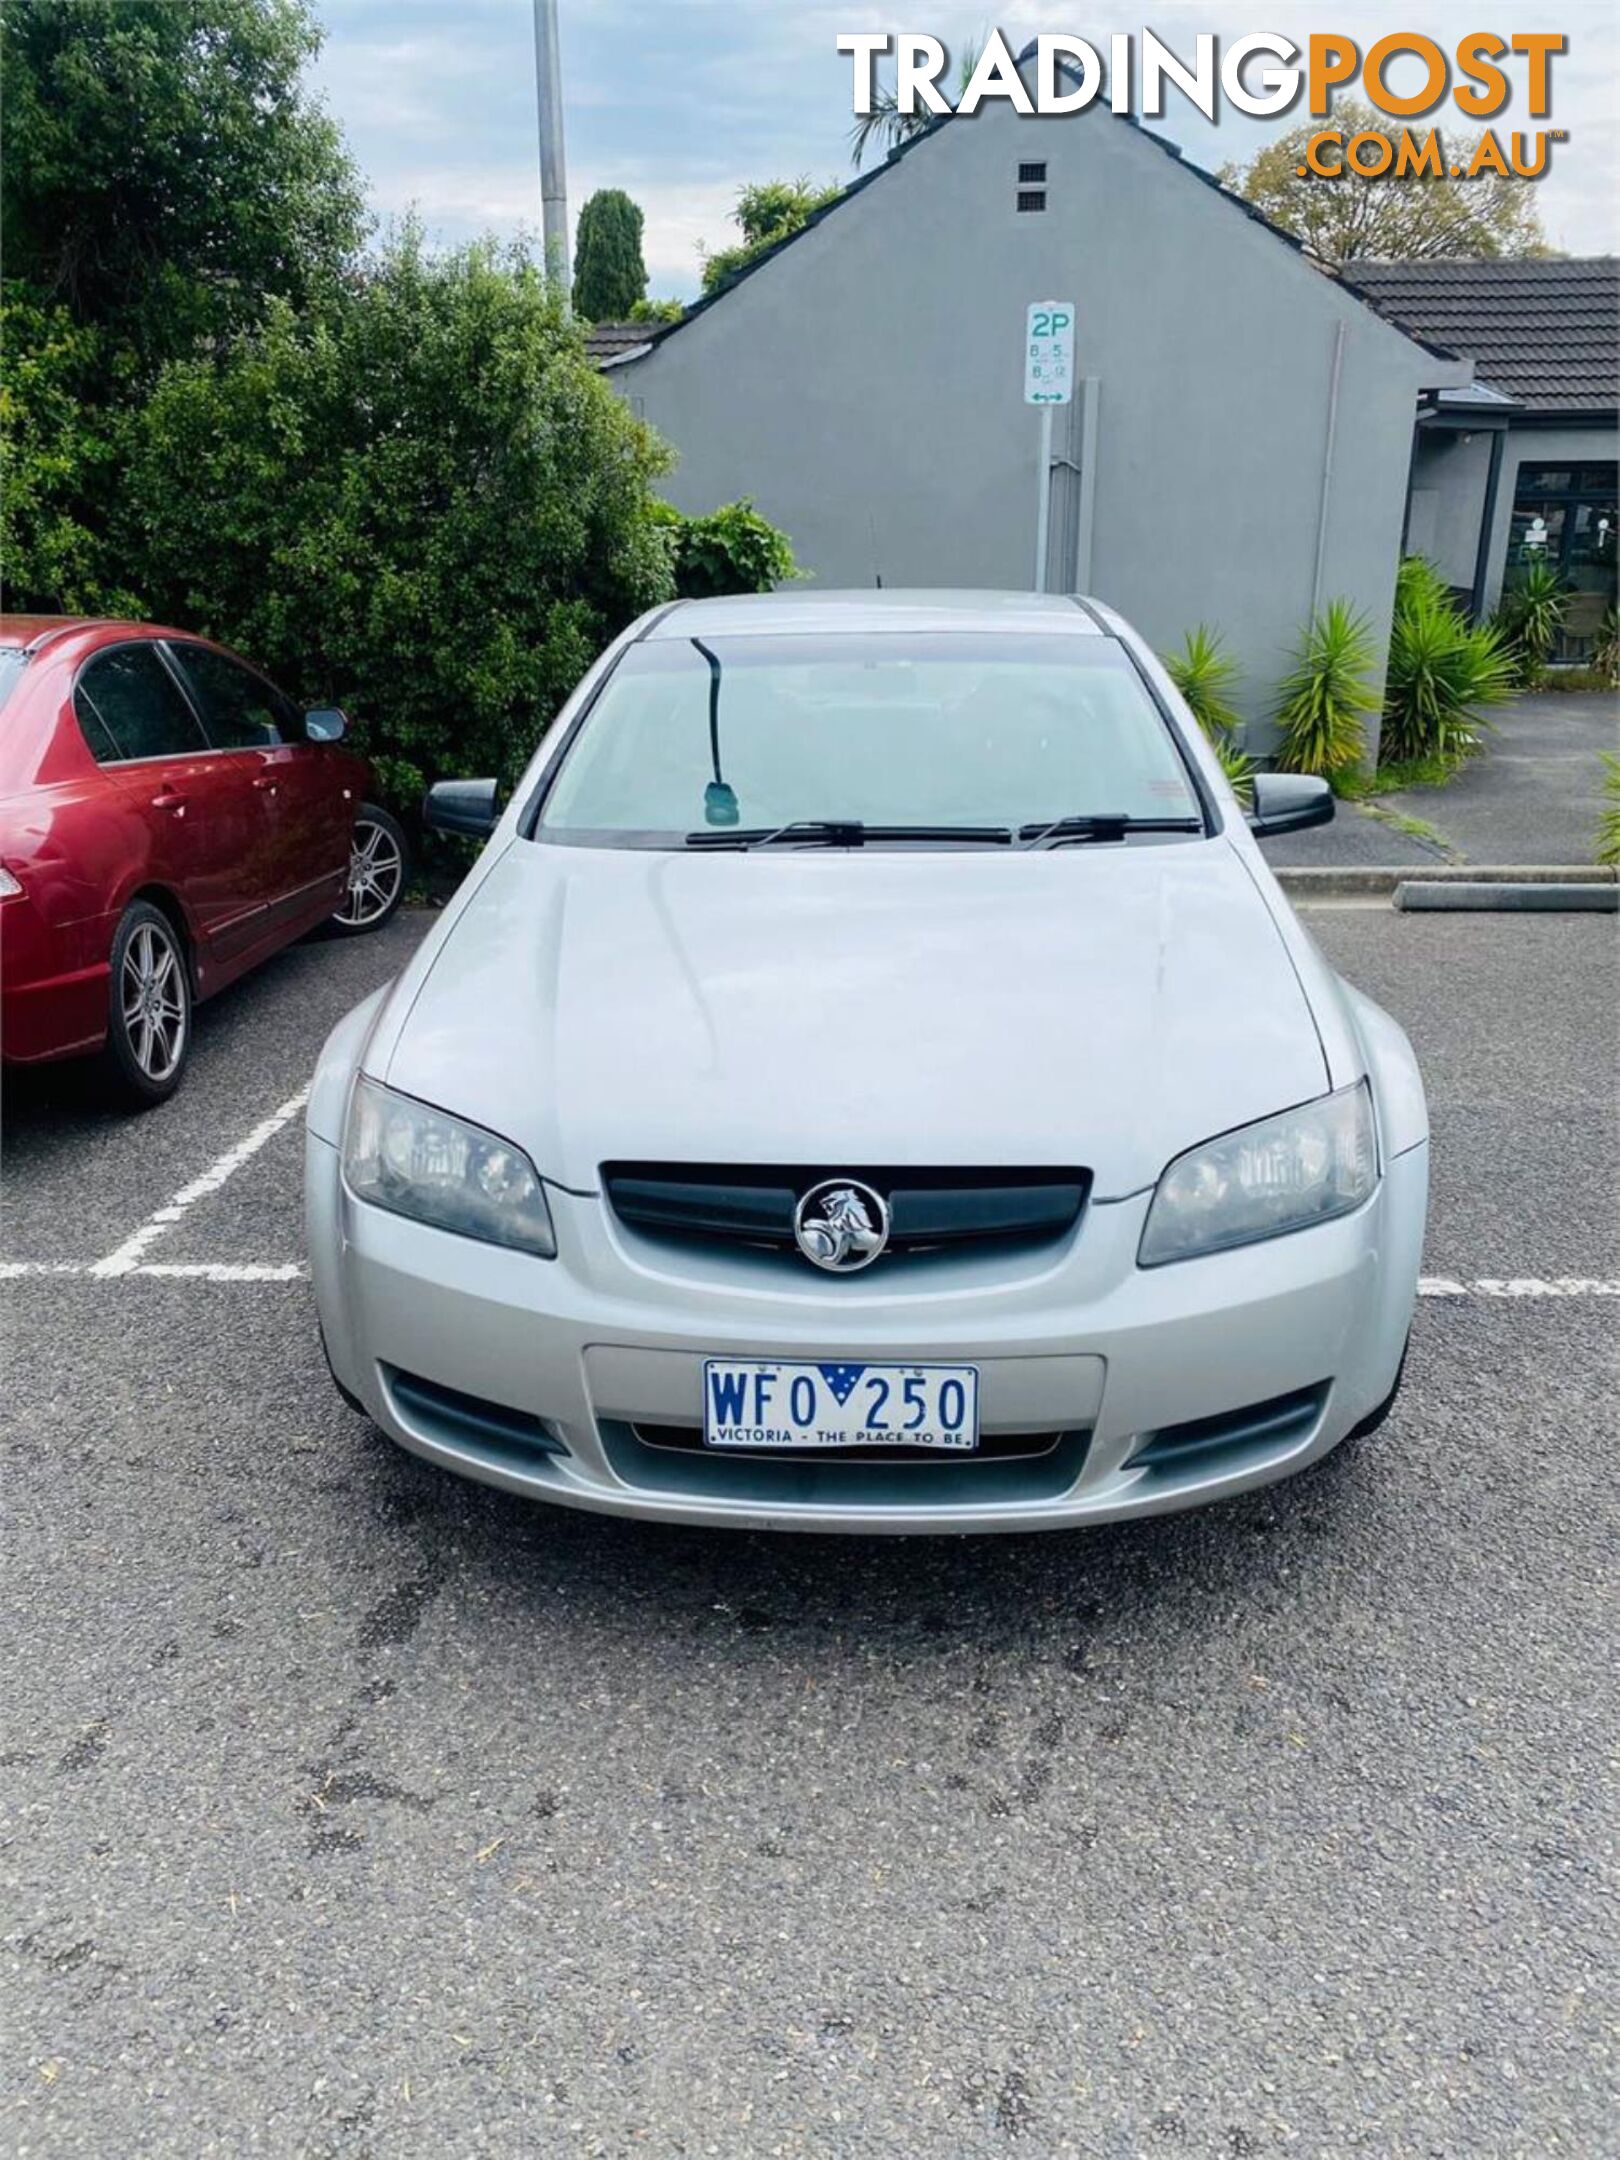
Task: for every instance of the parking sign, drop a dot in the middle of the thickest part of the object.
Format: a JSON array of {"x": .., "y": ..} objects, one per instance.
[{"x": 1049, "y": 353}]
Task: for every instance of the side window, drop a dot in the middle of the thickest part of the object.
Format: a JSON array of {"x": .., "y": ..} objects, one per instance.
[
  {"x": 135, "y": 699},
  {"x": 94, "y": 729},
  {"x": 240, "y": 711}
]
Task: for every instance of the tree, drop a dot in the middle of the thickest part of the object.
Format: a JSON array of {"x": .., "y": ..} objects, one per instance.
[
  {"x": 769, "y": 212},
  {"x": 165, "y": 173},
  {"x": 609, "y": 274},
  {"x": 422, "y": 501},
  {"x": 59, "y": 455},
  {"x": 1408, "y": 219}
]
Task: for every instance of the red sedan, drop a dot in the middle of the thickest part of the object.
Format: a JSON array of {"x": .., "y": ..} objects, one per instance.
[{"x": 168, "y": 819}]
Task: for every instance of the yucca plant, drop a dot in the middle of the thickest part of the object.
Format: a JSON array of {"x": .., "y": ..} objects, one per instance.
[
  {"x": 1443, "y": 671},
  {"x": 1206, "y": 675},
  {"x": 1606, "y": 651},
  {"x": 1417, "y": 578},
  {"x": 1238, "y": 769},
  {"x": 1531, "y": 613},
  {"x": 1326, "y": 692},
  {"x": 1608, "y": 832}
]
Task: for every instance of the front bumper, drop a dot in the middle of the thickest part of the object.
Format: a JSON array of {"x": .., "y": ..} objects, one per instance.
[{"x": 590, "y": 1350}]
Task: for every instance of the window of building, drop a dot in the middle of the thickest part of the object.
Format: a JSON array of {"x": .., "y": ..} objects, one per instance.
[
  {"x": 1032, "y": 184},
  {"x": 1565, "y": 515}
]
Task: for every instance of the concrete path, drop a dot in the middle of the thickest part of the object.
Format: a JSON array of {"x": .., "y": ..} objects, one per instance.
[{"x": 1531, "y": 796}]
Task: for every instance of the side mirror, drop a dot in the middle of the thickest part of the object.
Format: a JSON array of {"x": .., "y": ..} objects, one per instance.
[
  {"x": 468, "y": 807},
  {"x": 325, "y": 723},
  {"x": 1289, "y": 801}
]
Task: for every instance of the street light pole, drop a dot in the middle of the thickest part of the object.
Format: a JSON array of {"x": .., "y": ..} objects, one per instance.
[{"x": 553, "y": 166}]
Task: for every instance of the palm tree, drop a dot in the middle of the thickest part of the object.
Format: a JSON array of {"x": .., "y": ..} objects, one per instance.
[{"x": 888, "y": 127}]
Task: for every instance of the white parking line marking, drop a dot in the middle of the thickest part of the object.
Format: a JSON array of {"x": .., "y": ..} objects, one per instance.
[
  {"x": 129, "y": 1255},
  {"x": 280, "y": 1271},
  {"x": 1517, "y": 1286}
]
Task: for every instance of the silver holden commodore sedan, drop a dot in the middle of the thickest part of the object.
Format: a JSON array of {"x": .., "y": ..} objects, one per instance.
[{"x": 870, "y": 1081}]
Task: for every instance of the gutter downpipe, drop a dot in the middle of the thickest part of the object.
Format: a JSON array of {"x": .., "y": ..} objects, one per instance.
[
  {"x": 1327, "y": 467},
  {"x": 1487, "y": 524}
]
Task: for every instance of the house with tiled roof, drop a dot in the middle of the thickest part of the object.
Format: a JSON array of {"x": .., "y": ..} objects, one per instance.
[
  {"x": 607, "y": 342},
  {"x": 1521, "y": 464}
]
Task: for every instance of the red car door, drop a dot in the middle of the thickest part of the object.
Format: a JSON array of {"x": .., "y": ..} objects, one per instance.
[
  {"x": 200, "y": 809},
  {"x": 305, "y": 816}
]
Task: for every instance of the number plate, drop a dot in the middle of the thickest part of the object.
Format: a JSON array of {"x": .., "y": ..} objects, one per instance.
[{"x": 766, "y": 1406}]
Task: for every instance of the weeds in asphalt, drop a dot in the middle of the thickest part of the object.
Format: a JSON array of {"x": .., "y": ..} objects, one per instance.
[{"x": 1415, "y": 828}]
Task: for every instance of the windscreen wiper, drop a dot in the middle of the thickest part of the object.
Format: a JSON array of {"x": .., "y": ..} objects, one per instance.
[
  {"x": 846, "y": 832},
  {"x": 1101, "y": 825}
]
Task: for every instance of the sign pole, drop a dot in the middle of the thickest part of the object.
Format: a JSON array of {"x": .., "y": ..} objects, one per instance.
[
  {"x": 1043, "y": 499},
  {"x": 1048, "y": 381}
]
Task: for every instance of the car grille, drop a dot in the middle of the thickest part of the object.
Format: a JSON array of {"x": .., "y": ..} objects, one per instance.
[
  {"x": 753, "y": 1204},
  {"x": 984, "y": 1479},
  {"x": 992, "y": 1447}
]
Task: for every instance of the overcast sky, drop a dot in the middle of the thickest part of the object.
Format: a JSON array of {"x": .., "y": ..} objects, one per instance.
[{"x": 683, "y": 102}]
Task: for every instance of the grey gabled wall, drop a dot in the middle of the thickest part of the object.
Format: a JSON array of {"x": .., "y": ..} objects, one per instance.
[{"x": 864, "y": 388}]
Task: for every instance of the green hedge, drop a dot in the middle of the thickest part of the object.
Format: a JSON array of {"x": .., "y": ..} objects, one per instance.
[{"x": 421, "y": 501}]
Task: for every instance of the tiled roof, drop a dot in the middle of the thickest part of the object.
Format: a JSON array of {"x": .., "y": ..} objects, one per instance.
[
  {"x": 1546, "y": 330},
  {"x": 611, "y": 340}
]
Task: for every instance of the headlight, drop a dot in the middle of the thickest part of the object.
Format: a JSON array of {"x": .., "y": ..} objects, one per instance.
[
  {"x": 401, "y": 1155},
  {"x": 9, "y": 888},
  {"x": 1285, "y": 1173}
]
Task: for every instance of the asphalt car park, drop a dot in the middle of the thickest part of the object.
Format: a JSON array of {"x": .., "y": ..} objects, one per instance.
[{"x": 356, "y": 1810}]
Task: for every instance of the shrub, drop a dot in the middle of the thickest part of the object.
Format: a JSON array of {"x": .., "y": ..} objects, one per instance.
[
  {"x": 1325, "y": 693},
  {"x": 769, "y": 212},
  {"x": 1608, "y": 833},
  {"x": 1531, "y": 614},
  {"x": 1206, "y": 675},
  {"x": 1239, "y": 770},
  {"x": 729, "y": 550},
  {"x": 58, "y": 460},
  {"x": 1606, "y": 651},
  {"x": 657, "y": 311},
  {"x": 422, "y": 501},
  {"x": 1443, "y": 671}
]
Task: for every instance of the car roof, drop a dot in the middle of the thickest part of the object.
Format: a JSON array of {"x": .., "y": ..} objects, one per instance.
[
  {"x": 814, "y": 611},
  {"x": 36, "y": 633},
  {"x": 27, "y": 631}
]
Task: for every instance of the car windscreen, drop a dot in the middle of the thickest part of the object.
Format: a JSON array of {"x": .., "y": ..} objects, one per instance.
[
  {"x": 12, "y": 663},
  {"x": 696, "y": 736}
]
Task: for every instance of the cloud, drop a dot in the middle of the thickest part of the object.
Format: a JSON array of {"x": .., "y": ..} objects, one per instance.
[{"x": 684, "y": 102}]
